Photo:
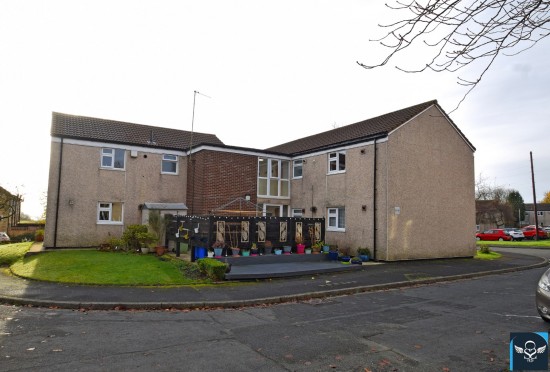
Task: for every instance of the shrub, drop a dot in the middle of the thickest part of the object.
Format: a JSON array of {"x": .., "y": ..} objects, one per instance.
[
  {"x": 212, "y": 268},
  {"x": 39, "y": 235},
  {"x": 484, "y": 248},
  {"x": 137, "y": 236},
  {"x": 27, "y": 237}
]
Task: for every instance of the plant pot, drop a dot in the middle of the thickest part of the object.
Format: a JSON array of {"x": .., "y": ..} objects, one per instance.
[
  {"x": 210, "y": 254},
  {"x": 356, "y": 262},
  {"x": 308, "y": 251},
  {"x": 344, "y": 258},
  {"x": 364, "y": 257},
  {"x": 287, "y": 249},
  {"x": 160, "y": 250},
  {"x": 326, "y": 248},
  {"x": 245, "y": 253},
  {"x": 218, "y": 252},
  {"x": 235, "y": 252},
  {"x": 300, "y": 248},
  {"x": 333, "y": 256},
  {"x": 254, "y": 252},
  {"x": 145, "y": 250},
  {"x": 278, "y": 251},
  {"x": 268, "y": 250}
]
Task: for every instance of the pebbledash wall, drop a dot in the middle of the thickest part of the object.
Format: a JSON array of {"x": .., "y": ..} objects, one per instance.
[{"x": 84, "y": 183}]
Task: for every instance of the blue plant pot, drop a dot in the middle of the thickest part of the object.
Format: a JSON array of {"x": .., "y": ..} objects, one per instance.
[
  {"x": 364, "y": 257},
  {"x": 332, "y": 256}
]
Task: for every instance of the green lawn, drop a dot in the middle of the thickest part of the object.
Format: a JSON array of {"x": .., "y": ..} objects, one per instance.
[
  {"x": 524, "y": 243},
  {"x": 487, "y": 256},
  {"x": 107, "y": 268}
]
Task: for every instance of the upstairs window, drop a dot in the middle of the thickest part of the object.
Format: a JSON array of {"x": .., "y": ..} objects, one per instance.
[
  {"x": 336, "y": 220},
  {"x": 169, "y": 164},
  {"x": 273, "y": 177},
  {"x": 112, "y": 158},
  {"x": 336, "y": 162},
  {"x": 109, "y": 213},
  {"x": 297, "y": 166}
]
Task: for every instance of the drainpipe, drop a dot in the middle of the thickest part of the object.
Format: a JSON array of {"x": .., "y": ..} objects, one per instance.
[
  {"x": 374, "y": 205},
  {"x": 58, "y": 194}
]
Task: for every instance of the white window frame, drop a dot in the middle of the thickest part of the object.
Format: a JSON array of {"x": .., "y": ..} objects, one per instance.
[
  {"x": 334, "y": 158},
  {"x": 297, "y": 164},
  {"x": 110, "y": 153},
  {"x": 333, "y": 219},
  {"x": 107, "y": 207},
  {"x": 171, "y": 159},
  {"x": 274, "y": 177}
]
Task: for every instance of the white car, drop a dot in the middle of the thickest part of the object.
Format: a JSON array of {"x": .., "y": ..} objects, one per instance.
[
  {"x": 4, "y": 237},
  {"x": 516, "y": 234}
]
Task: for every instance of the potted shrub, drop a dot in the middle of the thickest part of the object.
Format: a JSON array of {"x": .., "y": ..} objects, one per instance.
[
  {"x": 364, "y": 253},
  {"x": 254, "y": 250},
  {"x": 245, "y": 252},
  {"x": 218, "y": 248},
  {"x": 356, "y": 261},
  {"x": 317, "y": 246},
  {"x": 158, "y": 223},
  {"x": 278, "y": 251},
  {"x": 333, "y": 252},
  {"x": 300, "y": 247}
]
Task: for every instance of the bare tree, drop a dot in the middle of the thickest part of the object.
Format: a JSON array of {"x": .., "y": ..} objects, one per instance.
[{"x": 464, "y": 31}]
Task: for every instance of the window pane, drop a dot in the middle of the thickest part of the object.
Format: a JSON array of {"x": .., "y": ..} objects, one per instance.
[
  {"x": 284, "y": 170},
  {"x": 274, "y": 187},
  {"x": 119, "y": 158},
  {"x": 104, "y": 215},
  {"x": 332, "y": 166},
  {"x": 297, "y": 168},
  {"x": 117, "y": 212},
  {"x": 262, "y": 168},
  {"x": 284, "y": 188},
  {"x": 275, "y": 168},
  {"x": 169, "y": 167},
  {"x": 341, "y": 218},
  {"x": 262, "y": 186},
  {"x": 332, "y": 221},
  {"x": 341, "y": 162}
]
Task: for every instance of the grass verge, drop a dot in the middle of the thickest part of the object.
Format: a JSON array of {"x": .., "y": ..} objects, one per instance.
[
  {"x": 11, "y": 253},
  {"x": 487, "y": 256},
  {"x": 108, "y": 268},
  {"x": 524, "y": 243}
]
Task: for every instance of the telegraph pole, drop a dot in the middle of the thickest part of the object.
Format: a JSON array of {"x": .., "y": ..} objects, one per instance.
[{"x": 534, "y": 198}]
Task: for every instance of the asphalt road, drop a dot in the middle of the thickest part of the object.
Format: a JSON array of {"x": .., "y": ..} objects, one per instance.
[{"x": 455, "y": 326}]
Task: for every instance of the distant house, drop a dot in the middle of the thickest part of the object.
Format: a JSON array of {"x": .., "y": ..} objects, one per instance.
[
  {"x": 10, "y": 210},
  {"x": 386, "y": 183},
  {"x": 543, "y": 214}
]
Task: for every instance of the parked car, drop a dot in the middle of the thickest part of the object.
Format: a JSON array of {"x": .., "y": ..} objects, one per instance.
[
  {"x": 516, "y": 234},
  {"x": 530, "y": 231},
  {"x": 4, "y": 237},
  {"x": 493, "y": 234},
  {"x": 542, "y": 296}
]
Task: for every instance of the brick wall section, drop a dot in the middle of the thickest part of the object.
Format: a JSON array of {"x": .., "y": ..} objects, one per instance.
[{"x": 219, "y": 178}]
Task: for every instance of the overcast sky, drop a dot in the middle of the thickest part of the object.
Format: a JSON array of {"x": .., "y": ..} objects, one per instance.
[{"x": 274, "y": 72}]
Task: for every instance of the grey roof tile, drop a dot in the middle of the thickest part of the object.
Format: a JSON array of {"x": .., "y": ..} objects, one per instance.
[
  {"x": 112, "y": 131},
  {"x": 360, "y": 131}
]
